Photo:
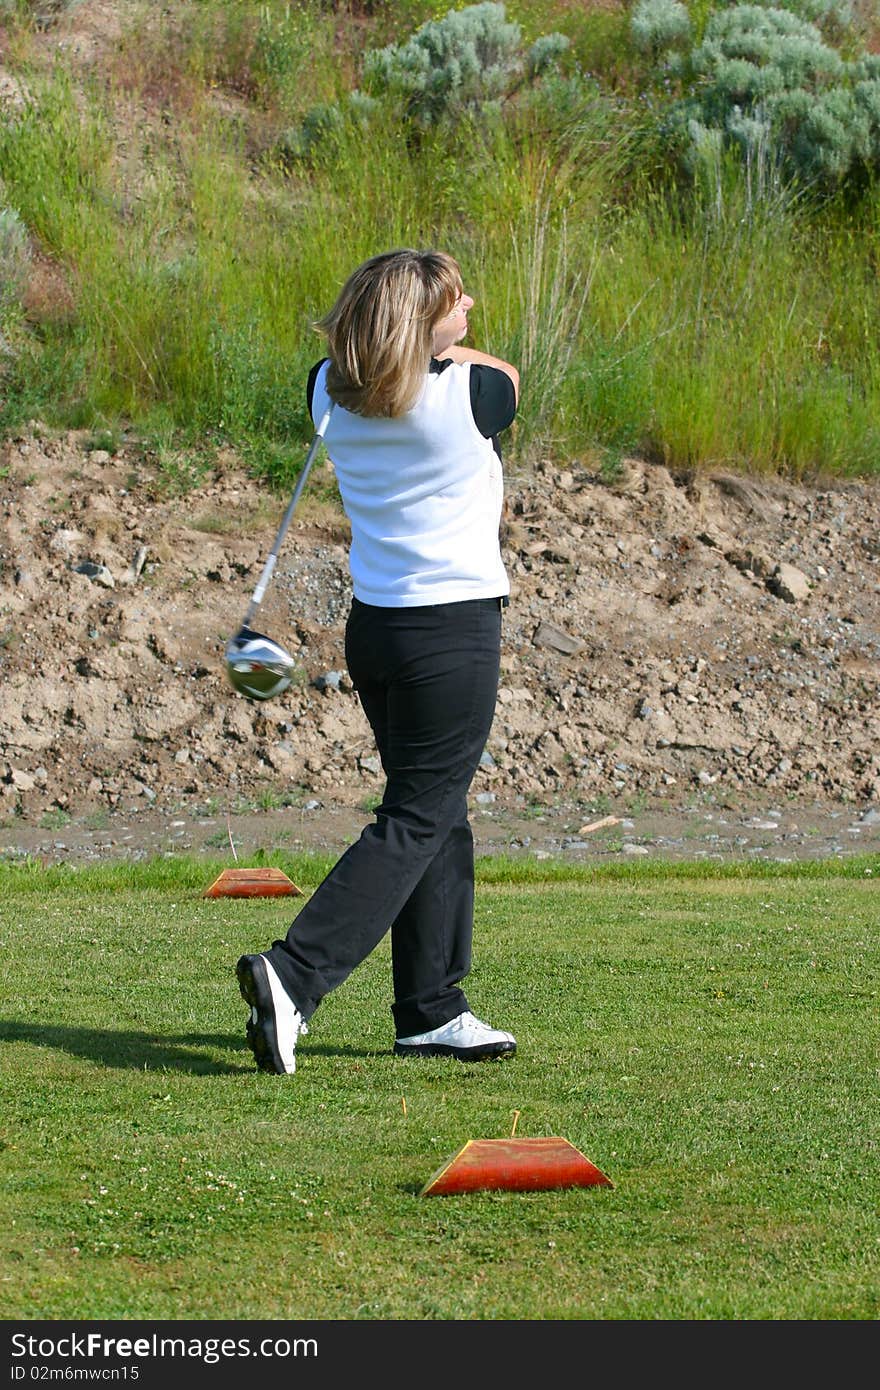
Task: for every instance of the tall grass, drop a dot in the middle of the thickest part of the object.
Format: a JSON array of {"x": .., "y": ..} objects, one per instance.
[
  {"x": 736, "y": 330},
  {"x": 752, "y": 330}
]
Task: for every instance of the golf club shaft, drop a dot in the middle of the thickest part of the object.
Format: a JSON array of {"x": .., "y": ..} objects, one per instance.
[{"x": 269, "y": 566}]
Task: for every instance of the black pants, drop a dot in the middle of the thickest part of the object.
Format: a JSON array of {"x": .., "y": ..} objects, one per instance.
[{"x": 427, "y": 679}]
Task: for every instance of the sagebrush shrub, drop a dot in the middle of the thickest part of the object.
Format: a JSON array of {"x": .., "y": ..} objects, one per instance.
[
  {"x": 465, "y": 60},
  {"x": 468, "y": 57},
  {"x": 835, "y": 15},
  {"x": 765, "y": 79},
  {"x": 659, "y": 25},
  {"x": 471, "y": 60}
]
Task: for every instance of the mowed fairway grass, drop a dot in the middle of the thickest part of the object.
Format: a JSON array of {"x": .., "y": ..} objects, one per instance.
[{"x": 706, "y": 1035}]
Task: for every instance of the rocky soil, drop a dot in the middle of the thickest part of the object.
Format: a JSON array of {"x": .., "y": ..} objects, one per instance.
[{"x": 675, "y": 647}]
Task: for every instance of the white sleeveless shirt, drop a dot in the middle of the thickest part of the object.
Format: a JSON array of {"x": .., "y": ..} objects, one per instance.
[{"x": 423, "y": 493}]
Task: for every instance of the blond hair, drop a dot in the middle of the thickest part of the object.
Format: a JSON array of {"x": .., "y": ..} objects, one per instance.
[{"x": 379, "y": 331}]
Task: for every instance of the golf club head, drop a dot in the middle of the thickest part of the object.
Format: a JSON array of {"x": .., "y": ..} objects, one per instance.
[{"x": 258, "y": 667}]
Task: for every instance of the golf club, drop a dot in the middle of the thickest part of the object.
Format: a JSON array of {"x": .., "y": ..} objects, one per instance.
[{"x": 257, "y": 666}]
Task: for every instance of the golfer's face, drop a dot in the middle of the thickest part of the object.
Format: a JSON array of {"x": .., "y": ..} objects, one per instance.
[{"x": 454, "y": 326}]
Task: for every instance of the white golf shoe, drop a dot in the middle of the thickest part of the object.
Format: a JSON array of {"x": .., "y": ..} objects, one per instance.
[
  {"x": 464, "y": 1037},
  {"x": 275, "y": 1022}
]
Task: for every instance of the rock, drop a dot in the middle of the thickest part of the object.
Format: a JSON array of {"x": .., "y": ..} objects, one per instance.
[
  {"x": 330, "y": 680},
  {"x": 133, "y": 573},
  {"x": 65, "y": 541},
  {"x": 548, "y": 635},
  {"x": 509, "y": 695},
  {"x": 99, "y": 574},
  {"x": 750, "y": 562},
  {"x": 789, "y": 583}
]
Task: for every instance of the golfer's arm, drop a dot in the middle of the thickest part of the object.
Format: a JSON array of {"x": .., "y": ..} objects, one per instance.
[{"x": 466, "y": 354}]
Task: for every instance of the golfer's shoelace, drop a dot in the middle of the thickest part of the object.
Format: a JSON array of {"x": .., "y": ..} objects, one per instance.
[{"x": 469, "y": 1023}]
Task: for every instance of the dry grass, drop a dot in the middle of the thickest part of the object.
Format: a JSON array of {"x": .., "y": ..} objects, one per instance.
[{"x": 49, "y": 296}]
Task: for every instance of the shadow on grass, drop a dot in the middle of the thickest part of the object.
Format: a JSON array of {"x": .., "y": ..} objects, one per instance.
[{"x": 135, "y": 1051}]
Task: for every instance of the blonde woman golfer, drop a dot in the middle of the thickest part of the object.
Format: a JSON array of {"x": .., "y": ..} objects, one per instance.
[{"x": 413, "y": 438}]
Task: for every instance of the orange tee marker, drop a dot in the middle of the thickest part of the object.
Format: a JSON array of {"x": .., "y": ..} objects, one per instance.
[
  {"x": 517, "y": 1165},
  {"x": 252, "y": 883}
]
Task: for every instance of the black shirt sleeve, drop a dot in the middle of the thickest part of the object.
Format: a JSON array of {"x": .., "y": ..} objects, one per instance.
[{"x": 493, "y": 399}]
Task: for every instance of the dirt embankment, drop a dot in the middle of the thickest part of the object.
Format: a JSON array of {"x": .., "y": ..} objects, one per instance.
[{"x": 664, "y": 636}]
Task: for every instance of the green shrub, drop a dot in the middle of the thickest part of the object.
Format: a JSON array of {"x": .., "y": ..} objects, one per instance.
[
  {"x": 467, "y": 63},
  {"x": 765, "y": 81},
  {"x": 833, "y": 17},
  {"x": 466, "y": 58},
  {"x": 469, "y": 58},
  {"x": 750, "y": 53},
  {"x": 322, "y": 129},
  {"x": 659, "y": 25}
]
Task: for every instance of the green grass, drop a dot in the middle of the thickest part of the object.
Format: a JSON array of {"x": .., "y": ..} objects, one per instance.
[{"x": 702, "y": 1033}]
